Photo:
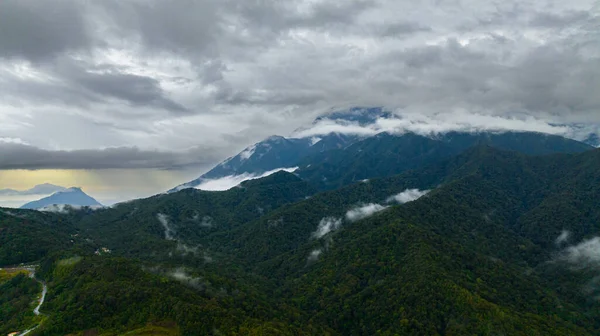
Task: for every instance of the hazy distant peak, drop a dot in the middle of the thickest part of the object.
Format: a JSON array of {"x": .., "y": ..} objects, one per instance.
[
  {"x": 40, "y": 189},
  {"x": 73, "y": 196}
]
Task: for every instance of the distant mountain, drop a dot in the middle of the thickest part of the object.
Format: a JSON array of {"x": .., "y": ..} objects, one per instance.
[
  {"x": 72, "y": 196},
  {"x": 332, "y": 159},
  {"x": 40, "y": 189}
]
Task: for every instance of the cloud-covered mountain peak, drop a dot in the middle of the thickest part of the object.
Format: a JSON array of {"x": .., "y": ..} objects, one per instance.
[
  {"x": 342, "y": 128},
  {"x": 360, "y": 115}
]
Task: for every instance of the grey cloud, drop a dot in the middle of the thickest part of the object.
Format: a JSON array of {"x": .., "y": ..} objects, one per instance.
[
  {"x": 19, "y": 156},
  {"x": 550, "y": 20},
  {"x": 280, "y": 17},
  {"x": 171, "y": 75},
  {"x": 401, "y": 28},
  {"x": 36, "y": 30},
  {"x": 189, "y": 26},
  {"x": 134, "y": 89},
  {"x": 329, "y": 13},
  {"x": 76, "y": 84}
]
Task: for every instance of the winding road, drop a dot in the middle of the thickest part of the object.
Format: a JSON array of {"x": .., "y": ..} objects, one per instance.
[{"x": 36, "y": 310}]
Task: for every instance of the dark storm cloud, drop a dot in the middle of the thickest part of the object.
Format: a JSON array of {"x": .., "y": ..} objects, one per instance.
[
  {"x": 402, "y": 28},
  {"x": 564, "y": 20},
  {"x": 37, "y": 30},
  {"x": 110, "y": 83},
  {"x": 21, "y": 156},
  {"x": 80, "y": 85},
  {"x": 186, "y": 26}
]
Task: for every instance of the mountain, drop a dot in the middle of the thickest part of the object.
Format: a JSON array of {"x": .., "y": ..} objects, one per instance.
[
  {"x": 273, "y": 153},
  {"x": 40, "y": 189},
  {"x": 486, "y": 241},
  {"x": 389, "y": 154},
  {"x": 72, "y": 196},
  {"x": 278, "y": 152},
  {"x": 343, "y": 147}
]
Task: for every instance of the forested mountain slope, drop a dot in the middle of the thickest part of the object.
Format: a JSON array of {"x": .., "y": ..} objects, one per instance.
[
  {"x": 390, "y": 154},
  {"x": 467, "y": 245}
]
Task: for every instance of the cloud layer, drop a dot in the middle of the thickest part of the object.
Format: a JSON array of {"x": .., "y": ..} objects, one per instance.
[
  {"x": 228, "y": 182},
  {"x": 20, "y": 156},
  {"x": 154, "y": 79}
]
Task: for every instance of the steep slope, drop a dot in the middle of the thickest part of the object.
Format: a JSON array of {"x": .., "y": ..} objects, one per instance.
[
  {"x": 273, "y": 153},
  {"x": 72, "y": 196}
]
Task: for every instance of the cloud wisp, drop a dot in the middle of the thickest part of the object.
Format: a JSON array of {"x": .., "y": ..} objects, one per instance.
[
  {"x": 407, "y": 195},
  {"x": 228, "y": 182},
  {"x": 563, "y": 238},
  {"x": 327, "y": 225},
  {"x": 66, "y": 208},
  {"x": 364, "y": 211},
  {"x": 169, "y": 230},
  {"x": 314, "y": 255},
  {"x": 19, "y": 156},
  {"x": 583, "y": 255}
]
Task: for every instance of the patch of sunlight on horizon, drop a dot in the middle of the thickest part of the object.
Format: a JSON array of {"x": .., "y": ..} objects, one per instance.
[{"x": 106, "y": 185}]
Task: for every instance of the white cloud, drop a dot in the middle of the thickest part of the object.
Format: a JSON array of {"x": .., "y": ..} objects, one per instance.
[
  {"x": 438, "y": 123},
  {"x": 314, "y": 255},
  {"x": 185, "y": 249},
  {"x": 364, "y": 211},
  {"x": 326, "y": 225},
  {"x": 228, "y": 182},
  {"x": 407, "y": 195},
  {"x": 164, "y": 221},
  {"x": 66, "y": 208},
  {"x": 563, "y": 238},
  {"x": 182, "y": 276},
  {"x": 247, "y": 153},
  {"x": 585, "y": 254},
  {"x": 13, "y": 140}
]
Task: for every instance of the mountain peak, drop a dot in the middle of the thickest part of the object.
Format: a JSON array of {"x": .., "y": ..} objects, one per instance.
[
  {"x": 40, "y": 189},
  {"x": 73, "y": 196},
  {"x": 361, "y": 115}
]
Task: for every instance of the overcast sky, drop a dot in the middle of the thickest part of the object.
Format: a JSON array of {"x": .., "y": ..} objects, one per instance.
[{"x": 179, "y": 85}]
